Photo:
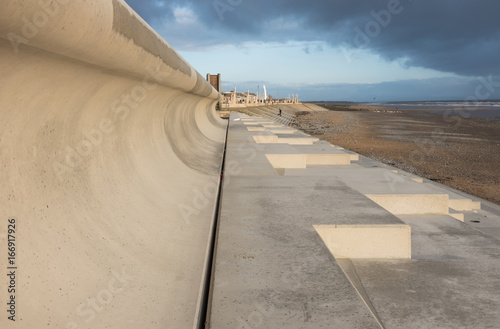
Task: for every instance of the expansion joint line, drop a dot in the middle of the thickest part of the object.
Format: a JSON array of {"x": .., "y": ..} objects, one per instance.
[
  {"x": 351, "y": 274},
  {"x": 205, "y": 305}
]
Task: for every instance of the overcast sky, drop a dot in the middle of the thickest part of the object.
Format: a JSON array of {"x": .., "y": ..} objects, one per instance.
[{"x": 354, "y": 50}]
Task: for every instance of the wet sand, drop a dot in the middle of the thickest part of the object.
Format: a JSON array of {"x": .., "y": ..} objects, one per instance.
[{"x": 463, "y": 153}]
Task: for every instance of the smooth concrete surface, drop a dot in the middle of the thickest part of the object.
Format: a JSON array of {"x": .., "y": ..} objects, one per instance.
[
  {"x": 451, "y": 282},
  {"x": 398, "y": 190},
  {"x": 110, "y": 151},
  {"x": 273, "y": 270},
  {"x": 270, "y": 264},
  {"x": 270, "y": 260},
  {"x": 484, "y": 221}
]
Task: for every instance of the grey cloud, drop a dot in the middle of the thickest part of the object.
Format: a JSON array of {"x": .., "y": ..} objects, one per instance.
[{"x": 458, "y": 36}]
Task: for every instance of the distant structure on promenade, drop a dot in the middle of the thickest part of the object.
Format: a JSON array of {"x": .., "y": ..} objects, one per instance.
[
  {"x": 214, "y": 80},
  {"x": 235, "y": 99}
]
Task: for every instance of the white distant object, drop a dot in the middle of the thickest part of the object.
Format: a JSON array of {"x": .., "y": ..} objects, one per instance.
[{"x": 265, "y": 93}]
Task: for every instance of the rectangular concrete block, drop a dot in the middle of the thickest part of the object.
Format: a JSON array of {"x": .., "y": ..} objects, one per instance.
[
  {"x": 287, "y": 160},
  {"x": 367, "y": 241},
  {"x": 256, "y": 128},
  {"x": 464, "y": 204},
  {"x": 265, "y": 139},
  {"x": 328, "y": 159},
  {"x": 296, "y": 141},
  {"x": 412, "y": 204},
  {"x": 282, "y": 131}
]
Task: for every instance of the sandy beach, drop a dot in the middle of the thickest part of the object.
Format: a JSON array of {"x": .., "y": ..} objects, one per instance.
[{"x": 463, "y": 153}]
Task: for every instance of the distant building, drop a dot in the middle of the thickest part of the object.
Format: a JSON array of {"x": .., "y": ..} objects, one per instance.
[{"x": 214, "y": 80}]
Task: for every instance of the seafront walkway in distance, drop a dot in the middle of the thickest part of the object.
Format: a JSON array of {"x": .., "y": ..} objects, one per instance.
[{"x": 311, "y": 235}]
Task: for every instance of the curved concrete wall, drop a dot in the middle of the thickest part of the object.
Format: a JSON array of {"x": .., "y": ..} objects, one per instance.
[{"x": 110, "y": 155}]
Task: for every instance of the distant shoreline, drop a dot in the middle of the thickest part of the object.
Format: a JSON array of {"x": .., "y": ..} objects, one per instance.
[{"x": 490, "y": 110}]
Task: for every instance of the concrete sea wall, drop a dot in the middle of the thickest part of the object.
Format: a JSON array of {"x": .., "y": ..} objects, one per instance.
[{"x": 110, "y": 154}]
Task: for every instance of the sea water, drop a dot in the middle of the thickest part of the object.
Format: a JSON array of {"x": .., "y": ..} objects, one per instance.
[{"x": 478, "y": 109}]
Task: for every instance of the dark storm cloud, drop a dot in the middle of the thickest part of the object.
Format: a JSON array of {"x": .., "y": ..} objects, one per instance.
[{"x": 456, "y": 36}]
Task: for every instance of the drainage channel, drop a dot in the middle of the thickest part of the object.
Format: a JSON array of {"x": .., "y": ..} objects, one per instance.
[{"x": 204, "y": 312}]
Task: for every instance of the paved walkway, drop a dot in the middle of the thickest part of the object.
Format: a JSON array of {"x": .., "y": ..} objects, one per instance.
[{"x": 315, "y": 236}]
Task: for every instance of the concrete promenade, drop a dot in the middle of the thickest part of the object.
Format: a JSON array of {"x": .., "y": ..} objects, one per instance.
[
  {"x": 313, "y": 236},
  {"x": 111, "y": 155}
]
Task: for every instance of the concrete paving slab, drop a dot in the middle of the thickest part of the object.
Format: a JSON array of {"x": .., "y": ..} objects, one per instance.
[
  {"x": 269, "y": 254},
  {"x": 440, "y": 293},
  {"x": 484, "y": 221},
  {"x": 451, "y": 282}
]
